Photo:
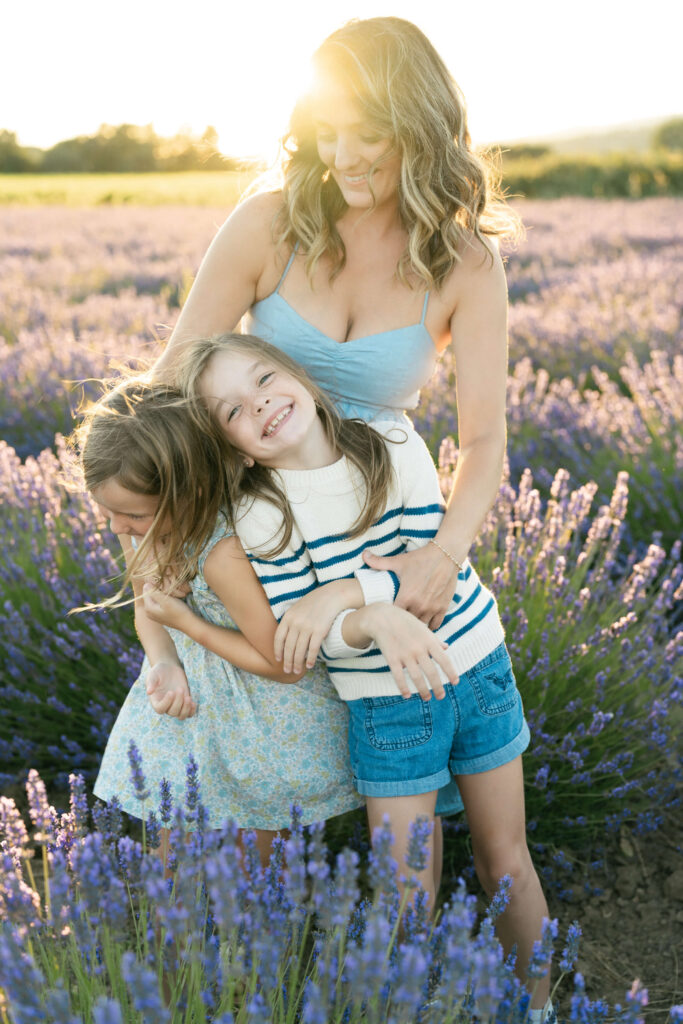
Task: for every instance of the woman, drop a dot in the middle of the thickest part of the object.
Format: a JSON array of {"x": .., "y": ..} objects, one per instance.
[{"x": 371, "y": 258}]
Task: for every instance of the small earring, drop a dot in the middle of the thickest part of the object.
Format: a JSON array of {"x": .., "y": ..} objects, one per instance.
[{"x": 248, "y": 461}]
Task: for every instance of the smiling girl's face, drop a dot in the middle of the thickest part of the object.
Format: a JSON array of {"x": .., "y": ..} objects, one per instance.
[
  {"x": 264, "y": 412},
  {"x": 129, "y": 514}
]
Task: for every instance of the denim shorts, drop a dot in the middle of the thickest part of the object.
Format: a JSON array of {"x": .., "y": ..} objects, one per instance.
[{"x": 401, "y": 746}]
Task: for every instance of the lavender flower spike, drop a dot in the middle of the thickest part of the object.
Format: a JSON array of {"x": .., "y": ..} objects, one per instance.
[{"x": 136, "y": 774}]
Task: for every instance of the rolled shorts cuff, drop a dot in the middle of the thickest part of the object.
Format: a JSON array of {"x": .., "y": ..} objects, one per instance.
[
  {"x": 403, "y": 787},
  {"x": 495, "y": 758}
]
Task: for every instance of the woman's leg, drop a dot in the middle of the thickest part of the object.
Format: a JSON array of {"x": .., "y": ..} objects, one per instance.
[
  {"x": 402, "y": 812},
  {"x": 494, "y": 805}
]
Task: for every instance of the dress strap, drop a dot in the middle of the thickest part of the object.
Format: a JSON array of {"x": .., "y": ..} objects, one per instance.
[
  {"x": 286, "y": 270},
  {"x": 424, "y": 308}
]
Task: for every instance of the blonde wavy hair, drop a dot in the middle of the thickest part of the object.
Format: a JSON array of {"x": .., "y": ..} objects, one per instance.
[
  {"x": 355, "y": 439},
  {"x": 448, "y": 195},
  {"x": 142, "y": 435}
]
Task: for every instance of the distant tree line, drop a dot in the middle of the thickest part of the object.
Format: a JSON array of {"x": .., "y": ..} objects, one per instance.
[
  {"x": 539, "y": 172},
  {"x": 124, "y": 147}
]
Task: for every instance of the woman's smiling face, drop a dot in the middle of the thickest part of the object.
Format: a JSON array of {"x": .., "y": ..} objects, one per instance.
[
  {"x": 264, "y": 412},
  {"x": 349, "y": 145}
]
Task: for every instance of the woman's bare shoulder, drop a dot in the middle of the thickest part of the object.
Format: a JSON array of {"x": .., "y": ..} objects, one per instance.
[
  {"x": 479, "y": 268},
  {"x": 257, "y": 211}
]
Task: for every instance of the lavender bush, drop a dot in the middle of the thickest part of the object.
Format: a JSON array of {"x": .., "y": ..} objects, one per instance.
[
  {"x": 596, "y": 656},
  {"x": 105, "y": 936},
  {"x": 63, "y": 677}
]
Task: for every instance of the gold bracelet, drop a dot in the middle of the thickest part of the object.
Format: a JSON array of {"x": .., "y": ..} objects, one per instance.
[{"x": 447, "y": 554}]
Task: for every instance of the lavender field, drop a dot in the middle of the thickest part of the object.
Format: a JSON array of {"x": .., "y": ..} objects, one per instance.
[{"x": 581, "y": 547}]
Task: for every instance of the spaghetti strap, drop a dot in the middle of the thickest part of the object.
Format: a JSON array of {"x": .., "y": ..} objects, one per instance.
[
  {"x": 286, "y": 270},
  {"x": 424, "y": 307}
]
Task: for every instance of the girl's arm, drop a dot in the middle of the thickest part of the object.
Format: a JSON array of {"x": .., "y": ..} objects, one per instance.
[
  {"x": 479, "y": 337},
  {"x": 239, "y": 267},
  {"x": 407, "y": 644},
  {"x": 167, "y": 685},
  {"x": 228, "y": 572}
]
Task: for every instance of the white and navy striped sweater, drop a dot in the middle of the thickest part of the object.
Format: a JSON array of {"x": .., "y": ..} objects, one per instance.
[{"x": 325, "y": 503}]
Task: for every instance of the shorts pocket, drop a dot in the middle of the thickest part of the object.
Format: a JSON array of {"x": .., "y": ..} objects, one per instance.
[
  {"x": 494, "y": 686},
  {"x": 397, "y": 723}
]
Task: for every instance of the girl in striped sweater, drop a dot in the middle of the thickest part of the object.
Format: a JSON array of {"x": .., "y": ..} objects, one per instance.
[{"x": 311, "y": 493}]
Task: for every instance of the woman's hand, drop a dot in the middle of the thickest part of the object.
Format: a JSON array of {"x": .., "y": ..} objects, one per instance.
[
  {"x": 169, "y": 692},
  {"x": 428, "y": 581},
  {"x": 164, "y": 608},
  {"x": 407, "y": 645},
  {"x": 307, "y": 622}
]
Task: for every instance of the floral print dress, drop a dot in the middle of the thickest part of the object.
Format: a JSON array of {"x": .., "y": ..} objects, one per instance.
[{"x": 260, "y": 745}]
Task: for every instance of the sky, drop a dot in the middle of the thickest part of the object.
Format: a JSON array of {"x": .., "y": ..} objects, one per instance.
[{"x": 528, "y": 68}]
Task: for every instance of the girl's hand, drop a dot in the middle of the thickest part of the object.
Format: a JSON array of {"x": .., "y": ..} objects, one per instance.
[
  {"x": 163, "y": 608},
  {"x": 428, "y": 581},
  {"x": 307, "y": 622},
  {"x": 169, "y": 691},
  {"x": 408, "y": 646}
]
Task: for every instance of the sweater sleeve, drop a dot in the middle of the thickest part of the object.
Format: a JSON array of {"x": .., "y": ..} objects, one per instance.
[
  {"x": 284, "y": 578},
  {"x": 421, "y": 503}
]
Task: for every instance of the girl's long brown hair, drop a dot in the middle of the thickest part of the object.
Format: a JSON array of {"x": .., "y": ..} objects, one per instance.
[
  {"x": 355, "y": 439},
  {"x": 142, "y": 435}
]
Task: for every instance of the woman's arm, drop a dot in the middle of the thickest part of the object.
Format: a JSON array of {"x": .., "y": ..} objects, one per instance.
[
  {"x": 479, "y": 336},
  {"x": 229, "y": 574},
  {"x": 240, "y": 266}
]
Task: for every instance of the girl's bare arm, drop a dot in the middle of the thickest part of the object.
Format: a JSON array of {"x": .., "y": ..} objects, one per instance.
[{"x": 251, "y": 646}]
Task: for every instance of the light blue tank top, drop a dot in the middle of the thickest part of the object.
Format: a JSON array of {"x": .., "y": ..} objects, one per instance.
[{"x": 372, "y": 378}]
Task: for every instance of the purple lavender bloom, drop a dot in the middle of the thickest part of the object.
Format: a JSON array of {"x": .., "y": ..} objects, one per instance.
[
  {"x": 636, "y": 1001},
  {"x": 137, "y": 776},
  {"x": 19, "y": 903},
  {"x": 409, "y": 981},
  {"x": 417, "y": 855},
  {"x": 12, "y": 828},
  {"x": 20, "y": 980},
  {"x": 488, "y": 979},
  {"x": 381, "y": 865},
  {"x": 101, "y": 894},
  {"x": 144, "y": 989},
  {"x": 316, "y": 1007},
  {"x": 42, "y": 814},
  {"x": 78, "y": 804},
  {"x": 366, "y": 966},
  {"x": 571, "y": 949},
  {"x": 58, "y": 1007},
  {"x": 539, "y": 962},
  {"x": 107, "y": 1011},
  {"x": 259, "y": 1011},
  {"x": 165, "y": 802},
  {"x": 153, "y": 831},
  {"x": 501, "y": 898}
]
